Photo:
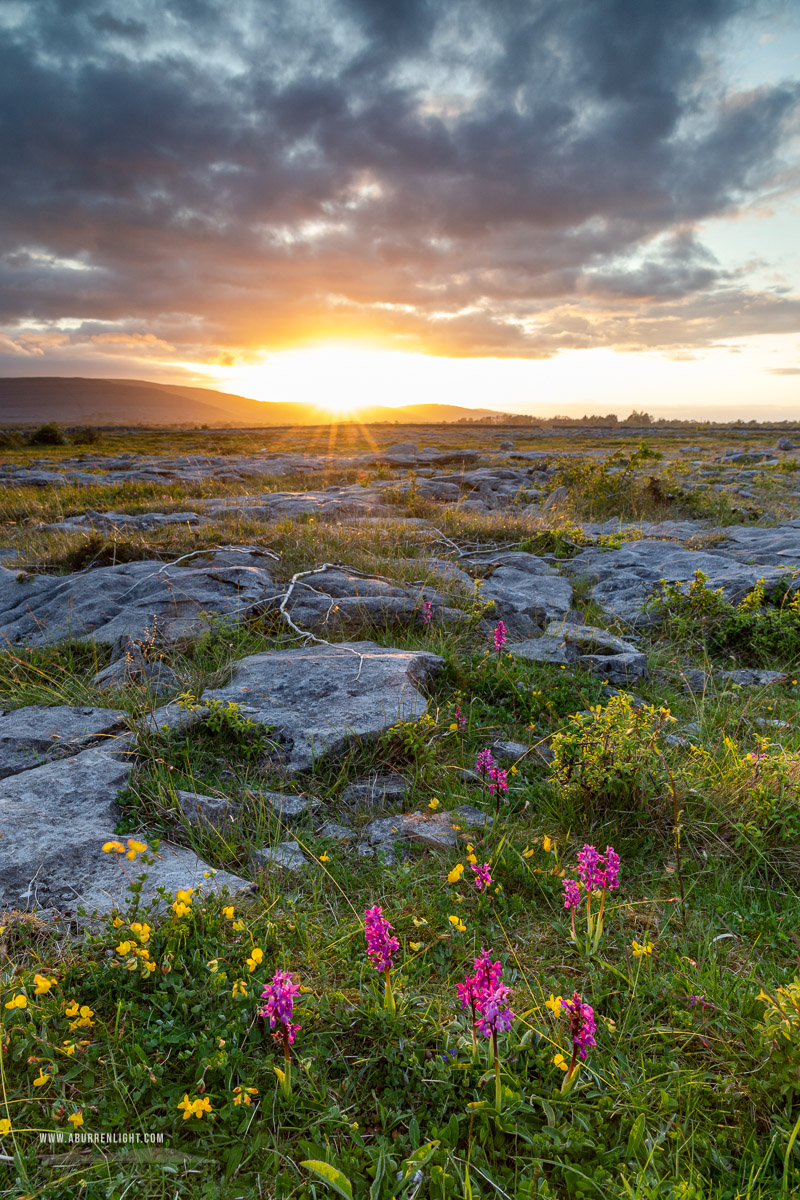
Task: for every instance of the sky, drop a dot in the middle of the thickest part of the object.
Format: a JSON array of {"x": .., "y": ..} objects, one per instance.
[{"x": 528, "y": 205}]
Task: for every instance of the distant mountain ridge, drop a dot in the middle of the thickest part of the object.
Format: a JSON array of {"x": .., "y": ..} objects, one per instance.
[{"x": 33, "y": 400}]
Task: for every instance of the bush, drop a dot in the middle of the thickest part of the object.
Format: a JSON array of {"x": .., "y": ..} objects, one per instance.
[
  {"x": 86, "y": 436},
  {"x": 50, "y": 434},
  {"x": 759, "y": 629},
  {"x": 758, "y": 789},
  {"x": 780, "y": 1035},
  {"x": 609, "y": 754}
]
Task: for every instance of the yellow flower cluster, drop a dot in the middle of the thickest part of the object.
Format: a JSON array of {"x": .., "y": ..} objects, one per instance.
[
  {"x": 18, "y": 1001},
  {"x": 255, "y": 959},
  {"x": 457, "y": 924},
  {"x": 456, "y": 873},
  {"x": 242, "y": 1095},
  {"x": 195, "y": 1107},
  {"x": 133, "y": 848},
  {"x": 643, "y": 950},
  {"x": 182, "y": 904},
  {"x": 82, "y": 1014}
]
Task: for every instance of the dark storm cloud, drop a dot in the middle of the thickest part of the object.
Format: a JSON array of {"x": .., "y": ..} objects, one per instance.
[{"x": 483, "y": 177}]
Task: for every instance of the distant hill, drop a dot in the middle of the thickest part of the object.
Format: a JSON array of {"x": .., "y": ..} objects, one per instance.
[{"x": 76, "y": 401}]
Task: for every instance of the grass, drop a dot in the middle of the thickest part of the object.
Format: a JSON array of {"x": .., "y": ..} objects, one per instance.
[{"x": 683, "y": 1099}]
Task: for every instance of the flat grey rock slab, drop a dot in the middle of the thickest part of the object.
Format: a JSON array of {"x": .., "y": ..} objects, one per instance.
[
  {"x": 157, "y": 678},
  {"x": 337, "y": 601},
  {"x": 508, "y": 752},
  {"x": 319, "y": 697},
  {"x": 779, "y": 547},
  {"x": 129, "y": 600},
  {"x": 374, "y": 791},
  {"x": 335, "y": 831},
  {"x": 616, "y": 668},
  {"x": 290, "y": 808},
  {"x": 216, "y": 811},
  {"x": 330, "y": 503},
  {"x": 31, "y": 736},
  {"x": 588, "y": 639},
  {"x": 527, "y": 592},
  {"x": 623, "y": 579},
  {"x": 286, "y": 856},
  {"x": 543, "y": 649},
  {"x": 125, "y": 522},
  {"x": 55, "y": 820},
  {"x": 440, "y": 830}
]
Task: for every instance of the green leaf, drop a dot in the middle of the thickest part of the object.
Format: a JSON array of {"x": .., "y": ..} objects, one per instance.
[
  {"x": 636, "y": 1137},
  {"x": 413, "y": 1132},
  {"x": 328, "y": 1174}
]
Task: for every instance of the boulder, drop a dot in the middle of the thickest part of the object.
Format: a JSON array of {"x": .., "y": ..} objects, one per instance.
[
  {"x": 557, "y": 497},
  {"x": 318, "y": 698},
  {"x": 508, "y": 752},
  {"x": 543, "y": 649},
  {"x": 784, "y": 443}
]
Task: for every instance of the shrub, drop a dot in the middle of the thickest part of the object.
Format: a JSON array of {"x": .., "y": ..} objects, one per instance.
[
  {"x": 609, "y": 753},
  {"x": 86, "y": 436},
  {"x": 759, "y": 629},
  {"x": 759, "y": 788},
  {"x": 49, "y": 434},
  {"x": 780, "y": 1035}
]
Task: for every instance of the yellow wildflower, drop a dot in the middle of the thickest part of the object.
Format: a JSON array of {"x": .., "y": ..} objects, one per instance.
[
  {"x": 255, "y": 960},
  {"x": 415, "y": 945},
  {"x": 142, "y": 931},
  {"x": 43, "y": 985},
  {"x": 325, "y": 857},
  {"x": 554, "y": 1004},
  {"x": 456, "y": 873},
  {"x": 41, "y": 1079},
  {"x": 149, "y": 966},
  {"x": 135, "y": 848},
  {"x": 72, "y": 1009},
  {"x": 639, "y": 951},
  {"x": 227, "y": 912},
  {"x": 124, "y": 948},
  {"x": 194, "y": 1108},
  {"x": 180, "y": 909},
  {"x": 547, "y": 844},
  {"x": 241, "y": 1095},
  {"x": 213, "y": 965},
  {"x": 115, "y": 924},
  {"x": 18, "y": 1001},
  {"x": 458, "y": 924},
  {"x": 5, "y": 1126},
  {"x": 561, "y": 1062},
  {"x": 67, "y": 1048},
  {"x": 528, "y": 853},
  {"x": 116, "y": 847},
  {"x": 239, "y": 988},
  {"x": 433, "y": 804},
  {"x": 238, "y": 926},
  {"x": 76, "y": 1119}
]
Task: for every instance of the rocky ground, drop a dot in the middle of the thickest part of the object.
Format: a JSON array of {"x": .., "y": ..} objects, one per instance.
[{"x": 278, "y": 665}]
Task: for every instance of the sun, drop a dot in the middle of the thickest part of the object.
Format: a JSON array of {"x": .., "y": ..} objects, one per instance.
[{"x": 338, "y": 378}]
